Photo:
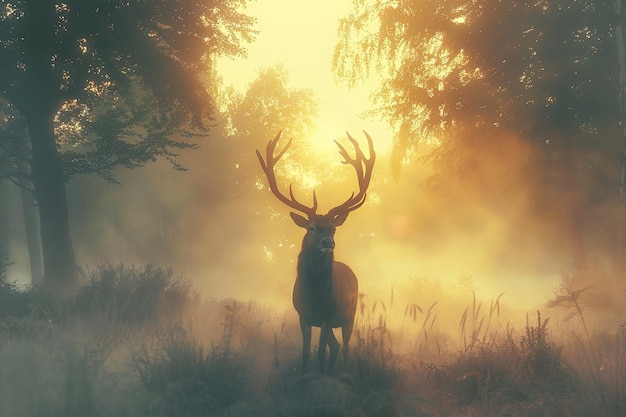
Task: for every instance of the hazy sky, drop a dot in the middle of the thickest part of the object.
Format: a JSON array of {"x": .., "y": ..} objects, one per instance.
[{"x": 301, "y": 35}]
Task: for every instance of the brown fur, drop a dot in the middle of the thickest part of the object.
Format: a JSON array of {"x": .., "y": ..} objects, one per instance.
[{"x": 325, "y": 293}]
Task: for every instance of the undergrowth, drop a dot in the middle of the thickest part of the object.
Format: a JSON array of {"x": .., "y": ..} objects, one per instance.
[
  {"x": 183, "y": 377},
  {"x": 138, "y": 341}
]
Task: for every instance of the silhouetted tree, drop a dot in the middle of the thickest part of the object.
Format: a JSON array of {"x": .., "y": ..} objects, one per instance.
[
  {"x": 490, "y": 78},
  {"x": 129, "y": 71},
  {"x": 15, "y": 167},
  {"x": 268, "y": 106}
]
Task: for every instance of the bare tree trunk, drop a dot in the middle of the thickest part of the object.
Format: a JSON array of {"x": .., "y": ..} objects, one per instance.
[
  {"x": 61, "y": 276},
  {"x": 620, "y": 35},
  {"x": 31, "y": 224}
]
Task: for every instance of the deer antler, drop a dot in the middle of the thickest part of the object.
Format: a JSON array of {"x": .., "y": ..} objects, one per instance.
[
  {"x": 363, "y": 168},
  {"x": 268, "y": 168}
]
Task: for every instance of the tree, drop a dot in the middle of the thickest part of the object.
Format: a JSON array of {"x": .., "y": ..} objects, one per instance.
[
  {"x": 268, "y": 106},
  {"x": 131, "y": 69},
  {"x": 247, "y": 122},
  {"x": 486, "y": 79},
  {"x": 14, "y": 155}
]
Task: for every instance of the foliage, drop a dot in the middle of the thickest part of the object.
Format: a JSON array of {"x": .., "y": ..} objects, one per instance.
[
  {"x": 541, "y": 359},
  {"x": 4, "y": 266},
  {"x": 455, "y": 69},
  {"x": 112, "y": 106},
  {"x": 133, "y": 295},
  {"x": 100, "y": 50},
  {"x": 505, "y": 371},
  {"x": 8, "y": 290},
  {"x": 268, "y": 106},
  {"x": 13, "y": 143},
  {"x": 517, "y": 102}
]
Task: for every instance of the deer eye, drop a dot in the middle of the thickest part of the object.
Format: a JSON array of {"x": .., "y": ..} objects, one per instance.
[{"x": 312, "y": 229}]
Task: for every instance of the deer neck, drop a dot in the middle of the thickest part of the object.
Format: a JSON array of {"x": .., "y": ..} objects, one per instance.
[{"x": 315, "y": 268}]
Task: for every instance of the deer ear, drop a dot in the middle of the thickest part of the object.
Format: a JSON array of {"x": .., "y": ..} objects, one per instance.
[
  {"x": 300, "y": 220},
  {"x": 340, "y": 218}
]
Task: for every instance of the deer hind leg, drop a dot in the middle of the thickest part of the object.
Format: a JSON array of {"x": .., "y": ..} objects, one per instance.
[
  {"x": 306, "y": 344},
  {"x": 333, "y": 344},
  {"x": 346, "y": 333}
]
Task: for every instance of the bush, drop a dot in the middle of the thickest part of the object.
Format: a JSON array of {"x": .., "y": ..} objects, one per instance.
[
  {"x": 505, "y": 371},
  {"x": 8, "y": 290},
  {"x": 132, "y": 295},
  {"x": 185, "y": 378}
]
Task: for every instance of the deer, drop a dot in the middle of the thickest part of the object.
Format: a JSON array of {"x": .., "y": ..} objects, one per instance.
[{"x": 326, "y": 291}]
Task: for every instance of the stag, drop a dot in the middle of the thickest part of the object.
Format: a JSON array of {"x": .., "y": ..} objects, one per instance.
[{"x": 326, "y": 291}]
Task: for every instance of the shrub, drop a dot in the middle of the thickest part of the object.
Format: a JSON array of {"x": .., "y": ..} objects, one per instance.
[
  {"x": 131, "y": 294},
  {"x": 185, "y": 378},
  {"x": 8, "y": 290}
]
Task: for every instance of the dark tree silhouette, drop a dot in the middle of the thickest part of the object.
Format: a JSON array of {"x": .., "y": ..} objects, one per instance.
[
  {"x": 131, "y": 70},
  {"x": 15, "y": 167},
  {"x": 482, "y": 76}
]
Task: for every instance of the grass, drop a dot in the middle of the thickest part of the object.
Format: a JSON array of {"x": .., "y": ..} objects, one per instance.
[
  {"x": 601, "y": 357},
  {"x": 138, "y": 341},
  {"x": 185, "y": 378}
]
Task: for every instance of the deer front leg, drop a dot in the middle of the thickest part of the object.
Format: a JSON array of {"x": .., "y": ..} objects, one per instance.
[
  {"x": 327, "y": 338},
  {"x": 306, "y": 343}
]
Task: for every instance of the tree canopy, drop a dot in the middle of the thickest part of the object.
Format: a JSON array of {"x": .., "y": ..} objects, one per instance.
[
  {"x": 520, "y": 98},
  {"x": 536, "y": 68}
]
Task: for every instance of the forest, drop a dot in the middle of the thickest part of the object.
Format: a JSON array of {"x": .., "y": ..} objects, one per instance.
[{"x": 148, "y": 254}]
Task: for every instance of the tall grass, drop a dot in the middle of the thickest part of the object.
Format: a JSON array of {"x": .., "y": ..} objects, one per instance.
[{"x": 601, "y": 358}]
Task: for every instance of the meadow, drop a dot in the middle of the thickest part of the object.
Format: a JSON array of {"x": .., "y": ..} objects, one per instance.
[{"x": 140, "y": 341}]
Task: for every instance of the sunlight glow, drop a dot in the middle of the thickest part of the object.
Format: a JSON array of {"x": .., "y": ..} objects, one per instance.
[
  {"x": 397, "y": 245},
  {"x": 301, "y": 36}
]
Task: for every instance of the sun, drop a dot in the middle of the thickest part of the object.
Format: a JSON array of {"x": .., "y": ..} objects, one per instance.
[{"x": 322, "y": 142}]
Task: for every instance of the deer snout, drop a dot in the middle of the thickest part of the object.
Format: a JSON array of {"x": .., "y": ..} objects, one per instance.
[{"x": 327, "y": 244}]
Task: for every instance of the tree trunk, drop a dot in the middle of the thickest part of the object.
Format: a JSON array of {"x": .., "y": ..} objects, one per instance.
[
  {"x": 31, "y": 224},
  {"x": 60, "y": 270},
  {"x": 620, "y": 35}
]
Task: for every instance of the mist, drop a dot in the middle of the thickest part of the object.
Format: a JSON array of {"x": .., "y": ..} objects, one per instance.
[
  {"x": 479, "y": 215},
  {"x": 423, "y": 236},
  {"x": 232, "y": 239}
]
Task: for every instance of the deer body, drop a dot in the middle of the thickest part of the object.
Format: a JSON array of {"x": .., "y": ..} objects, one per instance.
[
  {"x": 327, "y": 297},
  {"x": 325, "y": 293}
]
